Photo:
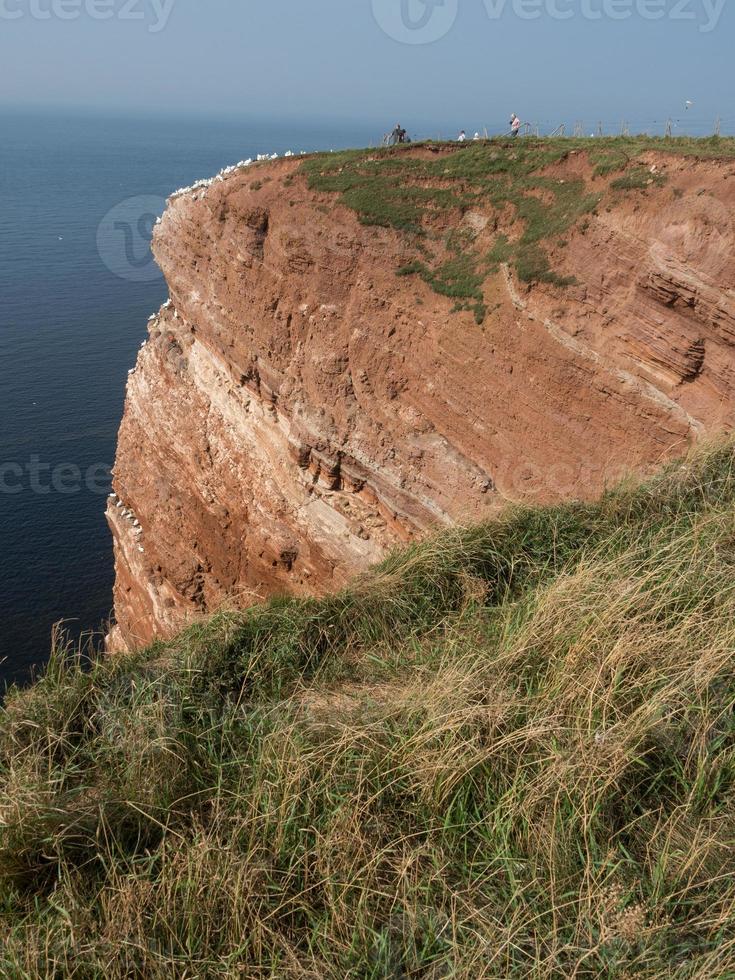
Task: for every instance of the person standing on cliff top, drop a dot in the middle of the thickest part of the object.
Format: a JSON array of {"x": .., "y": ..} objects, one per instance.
[{"x": 515, "y": 125}]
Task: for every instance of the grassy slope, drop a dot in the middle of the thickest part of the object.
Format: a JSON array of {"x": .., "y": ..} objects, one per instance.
[
  {"x": 419, "y": 196},
  {"x": 507, "y": 752}
]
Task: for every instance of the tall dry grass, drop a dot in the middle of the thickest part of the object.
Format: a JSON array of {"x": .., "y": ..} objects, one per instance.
[{"x": 508, "y": 752}]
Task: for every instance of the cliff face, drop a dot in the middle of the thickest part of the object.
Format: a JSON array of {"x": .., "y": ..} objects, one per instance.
[{"x": 299, "y": 408}]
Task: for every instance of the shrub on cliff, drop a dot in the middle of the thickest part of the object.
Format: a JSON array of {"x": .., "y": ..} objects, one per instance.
[{"x": 507, "y": 752}]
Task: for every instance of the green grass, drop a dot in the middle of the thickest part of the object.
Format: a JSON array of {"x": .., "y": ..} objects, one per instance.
[
  {"x": 507, "y": 752},
  {"x": 458, "y": 278},
  {"x": 610, "y": 163},
  {"x": 427, "y": 199},
  {"x": 501, "y": 251},
  {"x": 532, "y": 265},
  {"x": 637, "y": 179}
]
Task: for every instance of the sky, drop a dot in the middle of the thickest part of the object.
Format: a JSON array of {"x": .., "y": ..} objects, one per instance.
[{"x": 427, "y": 63}]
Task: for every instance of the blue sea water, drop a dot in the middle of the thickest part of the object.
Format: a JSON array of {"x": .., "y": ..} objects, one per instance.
[{"x": 77, "y": 284}]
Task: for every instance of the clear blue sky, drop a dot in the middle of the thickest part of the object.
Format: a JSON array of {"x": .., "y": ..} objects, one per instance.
[{"x": 341, "y": 58}]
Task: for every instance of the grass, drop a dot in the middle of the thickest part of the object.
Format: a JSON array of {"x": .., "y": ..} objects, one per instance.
[
  {"x": 457, "y": 278},
  {"x": 610, "y": 162},
  {"x": 501, "y": 251},
  {"x": 637, "y": 179},
  {"x": 427, "y": 199},
  {"x": 532, "y": 265},
  {"x": 507, "y": 752}
]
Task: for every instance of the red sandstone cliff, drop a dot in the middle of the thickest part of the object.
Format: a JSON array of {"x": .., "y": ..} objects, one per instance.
[{"x": 300, "y": 409}]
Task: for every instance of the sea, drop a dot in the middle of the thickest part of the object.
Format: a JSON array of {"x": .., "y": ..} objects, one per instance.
[{"x": 79, "y": 194}]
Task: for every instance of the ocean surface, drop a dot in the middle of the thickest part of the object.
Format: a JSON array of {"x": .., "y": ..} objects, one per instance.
[{"x": 77, "y": 284}]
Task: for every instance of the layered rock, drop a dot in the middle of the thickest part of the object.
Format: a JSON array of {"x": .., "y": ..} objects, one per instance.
[{"x": 299, "y": 409}]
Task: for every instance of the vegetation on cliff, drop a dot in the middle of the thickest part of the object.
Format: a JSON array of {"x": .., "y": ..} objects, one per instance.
[
  {"x": 507, "y": 752},
  {"x": 421, "y": 194}
]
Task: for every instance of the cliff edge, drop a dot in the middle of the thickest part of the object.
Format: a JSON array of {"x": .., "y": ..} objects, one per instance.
[{"x": 361, "y": 346}]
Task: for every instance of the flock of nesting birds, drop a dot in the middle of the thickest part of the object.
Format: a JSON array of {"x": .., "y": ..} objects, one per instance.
[
  {"x": 129, "y": 515},
  {"x": 201, "y": 185}
]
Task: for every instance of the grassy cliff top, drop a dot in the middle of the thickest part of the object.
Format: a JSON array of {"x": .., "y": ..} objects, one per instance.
[
  {"x": 424, "y": 190},
  {"x": 506, "y": 752}
]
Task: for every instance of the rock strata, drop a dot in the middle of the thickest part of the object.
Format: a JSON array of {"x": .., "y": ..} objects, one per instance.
[{"x": 300, "y": 409}]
